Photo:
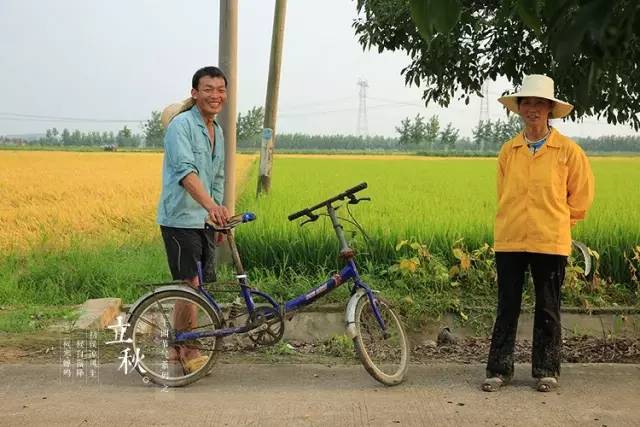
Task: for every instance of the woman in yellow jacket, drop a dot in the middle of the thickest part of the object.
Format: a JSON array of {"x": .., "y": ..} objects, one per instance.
[{"x": 545, "y": 185}]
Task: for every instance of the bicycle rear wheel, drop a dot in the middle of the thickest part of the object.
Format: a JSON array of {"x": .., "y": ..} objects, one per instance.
[
  {"x": 384, "y": 354},
  {"x": 153, "y": 327}
]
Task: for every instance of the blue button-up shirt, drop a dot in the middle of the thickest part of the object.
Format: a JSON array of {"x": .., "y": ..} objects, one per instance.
[{"x": 187, "y": 149}]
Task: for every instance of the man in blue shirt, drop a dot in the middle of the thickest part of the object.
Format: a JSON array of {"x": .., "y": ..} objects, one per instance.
[{"x": 192, "y": 191}]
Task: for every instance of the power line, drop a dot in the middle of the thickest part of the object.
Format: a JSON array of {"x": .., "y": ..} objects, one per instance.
[
  {"x": 341, "y": 110},
  {"x": 413, "y": 104},
  {"x": 35, "y": 117},
  {"x": 328, "y": 101},
  {"x": 22, "y": 119}
]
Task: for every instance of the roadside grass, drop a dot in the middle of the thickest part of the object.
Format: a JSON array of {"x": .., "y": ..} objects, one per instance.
[
  {"x": 81, "y": 272},
  {"x": 429, "y": 288},
  {"x": 339, "y": 346},
  {"x": 21, "y": 319}
]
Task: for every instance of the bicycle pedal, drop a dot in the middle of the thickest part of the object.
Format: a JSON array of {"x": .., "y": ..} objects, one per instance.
[{"x": 258, "y": 328}]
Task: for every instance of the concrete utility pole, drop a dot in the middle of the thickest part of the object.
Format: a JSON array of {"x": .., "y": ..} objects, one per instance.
[
  {"x": 227, "y": 61},
  {"x": 271, "y": 102}
]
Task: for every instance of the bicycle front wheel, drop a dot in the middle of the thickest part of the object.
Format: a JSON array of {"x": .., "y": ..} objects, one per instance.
[
  {"x": 384, "y": 353},
  {"x": 162, "y": 358}
]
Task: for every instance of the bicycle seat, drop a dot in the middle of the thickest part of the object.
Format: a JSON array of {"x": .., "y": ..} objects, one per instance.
[{"x": 233, "y": 221}]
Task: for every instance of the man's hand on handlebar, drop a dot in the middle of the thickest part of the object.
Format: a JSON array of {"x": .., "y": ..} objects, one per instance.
[{"x": 219, "y": 215}]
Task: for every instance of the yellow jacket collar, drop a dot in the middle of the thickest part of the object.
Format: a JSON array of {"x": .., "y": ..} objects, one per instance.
[{"x": 552, "y": 140}]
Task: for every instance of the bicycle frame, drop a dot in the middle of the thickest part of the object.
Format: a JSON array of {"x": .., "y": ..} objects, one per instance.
[{"x": 349, "y": 272}]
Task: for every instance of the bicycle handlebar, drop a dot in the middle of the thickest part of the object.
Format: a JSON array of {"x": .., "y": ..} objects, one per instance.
[
  {"x": 233, "y": 221},
  {"x": 346, "y": 194}
]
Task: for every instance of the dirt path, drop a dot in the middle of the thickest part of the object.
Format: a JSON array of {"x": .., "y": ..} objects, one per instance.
[
  {"x": 44, "y": 347},
  {"x": 313, "y": 394}
]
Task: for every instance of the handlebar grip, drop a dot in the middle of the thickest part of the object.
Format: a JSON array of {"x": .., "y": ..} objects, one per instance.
[
  {"x": 297, "y": 214},
  {"x": 357, "y": 188}
]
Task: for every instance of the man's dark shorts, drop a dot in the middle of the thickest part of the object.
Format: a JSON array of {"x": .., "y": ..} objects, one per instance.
[{"x": 185, "y": 247}]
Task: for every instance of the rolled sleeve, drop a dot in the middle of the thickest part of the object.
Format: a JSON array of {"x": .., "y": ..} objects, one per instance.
[
  {"x": 580, "y": 186},
  {"x": 178, "y": 150}
]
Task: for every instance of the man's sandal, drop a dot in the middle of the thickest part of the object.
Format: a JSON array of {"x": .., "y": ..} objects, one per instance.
[
  {"x": 493, "y": 384},
  {"x": 547, "y": 384},
  {"x": 195, "y": 364}
]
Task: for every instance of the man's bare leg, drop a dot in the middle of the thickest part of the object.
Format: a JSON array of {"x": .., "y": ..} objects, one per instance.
[{"x": 185, "y": 317}]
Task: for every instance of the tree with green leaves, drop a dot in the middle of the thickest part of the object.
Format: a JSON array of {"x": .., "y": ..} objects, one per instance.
[
  {"x": 154, "y": 131},
  {"x": 126, "y": 138},
  {"x": 449, "y": 137},
  {"x": 125, "y": 132},
  {"x": 591, "y": 48},
  {"x": 432, "y": 130},
  {"x": 65, "y": 137},
  {"x": 404, "y": 130},
  {"x": 504, "y": 130},
  {"x": 483, "y": 135},
  {"x": 418, "y": 131},
  {"x": 490, "y": 135},
  {"x": 76, "y": 138},
  {"x": 249, "y": 125}
]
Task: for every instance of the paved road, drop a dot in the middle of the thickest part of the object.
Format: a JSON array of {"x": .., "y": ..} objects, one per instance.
[{"x": 254, "y": 394}]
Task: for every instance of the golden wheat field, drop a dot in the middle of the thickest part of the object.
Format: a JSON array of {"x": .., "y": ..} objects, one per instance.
[{"x": 51, "y": 198}]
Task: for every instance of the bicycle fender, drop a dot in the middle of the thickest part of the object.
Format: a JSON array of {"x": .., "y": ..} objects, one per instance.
[
  {"x": 163, "y": 289},
  {"x": 350, "y": 313}
]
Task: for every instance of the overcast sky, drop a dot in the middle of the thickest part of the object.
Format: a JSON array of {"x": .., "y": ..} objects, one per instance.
[{"x": 121, "y": 59}]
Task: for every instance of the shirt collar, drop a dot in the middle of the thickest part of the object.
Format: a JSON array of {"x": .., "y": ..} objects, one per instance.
[
  {"x": 195, "y": 111},
  {"x": 551, "y": 139}
]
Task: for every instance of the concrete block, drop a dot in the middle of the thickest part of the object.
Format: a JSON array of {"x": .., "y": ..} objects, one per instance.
[
  {"x": 98, "y": 313},
  {"x": 309, "y": 326}
]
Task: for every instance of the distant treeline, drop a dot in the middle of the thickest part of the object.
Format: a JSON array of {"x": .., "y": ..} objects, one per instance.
[
  {"x": 604, "y": 144},
  {"x": 66, "y": 138},
  {"x": 302, "y": 142},
  {"x": 610, "y": 144},
  {"x": 298, "y": 141}
]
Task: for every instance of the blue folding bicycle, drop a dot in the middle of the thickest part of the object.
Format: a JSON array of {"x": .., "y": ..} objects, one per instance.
[{"x": 175, "y": 325}]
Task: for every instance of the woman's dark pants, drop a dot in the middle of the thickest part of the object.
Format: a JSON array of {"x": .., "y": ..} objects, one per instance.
[{"x": 548, "y": 274}]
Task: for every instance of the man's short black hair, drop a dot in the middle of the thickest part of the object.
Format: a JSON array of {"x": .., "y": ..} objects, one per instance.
[{"x": 209, "y": 72}]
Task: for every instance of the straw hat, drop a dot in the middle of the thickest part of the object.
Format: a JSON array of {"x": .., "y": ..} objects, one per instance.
[
  {"x": 174, "y": 109},
  {"x": 539, "y": 86}
]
